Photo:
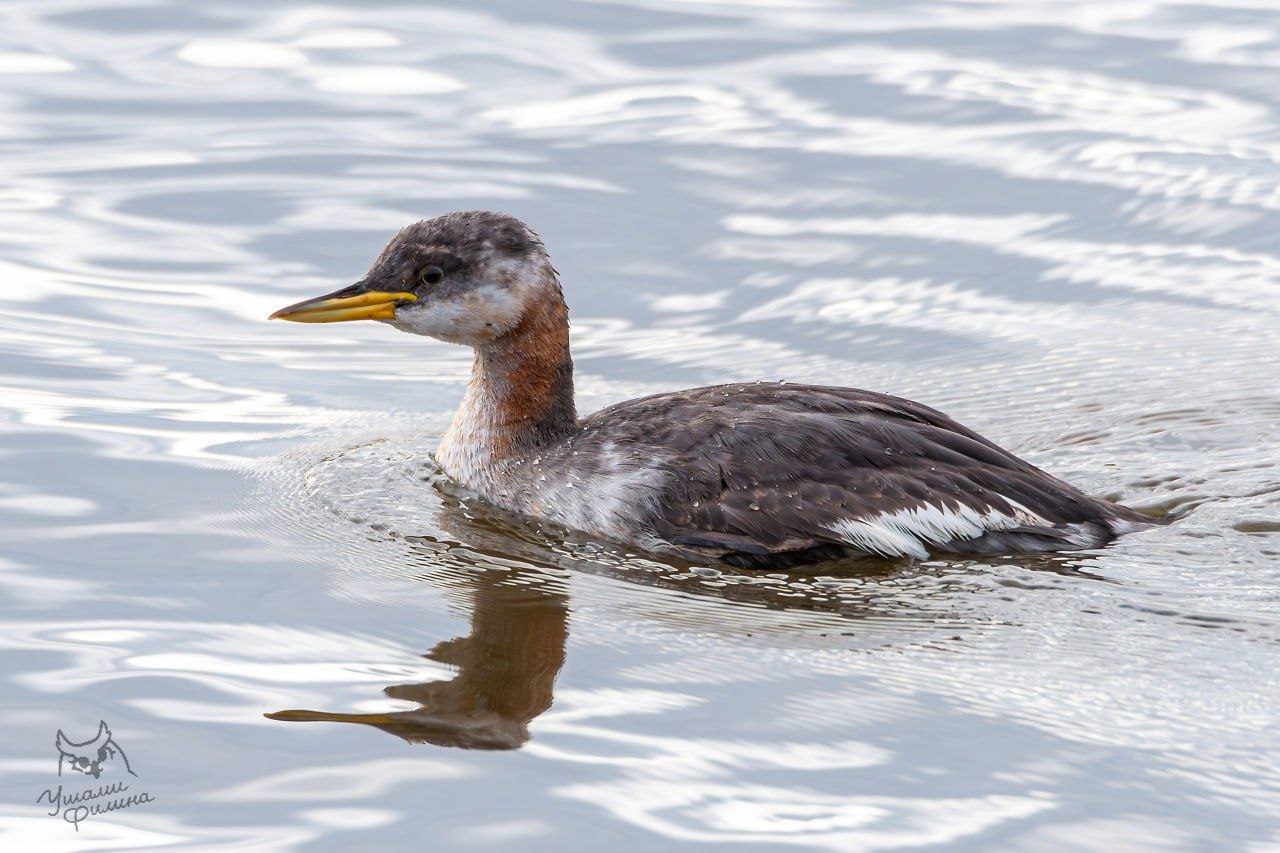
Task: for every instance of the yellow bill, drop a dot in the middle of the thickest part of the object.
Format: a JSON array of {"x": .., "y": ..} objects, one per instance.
[{"x": 337, "y": 308}]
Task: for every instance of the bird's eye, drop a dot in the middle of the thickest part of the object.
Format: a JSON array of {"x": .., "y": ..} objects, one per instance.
[{"x": 432, "y": 275}]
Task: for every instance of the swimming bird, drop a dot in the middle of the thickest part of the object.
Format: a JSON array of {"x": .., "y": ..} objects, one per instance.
[{"x": 753, "y": 475}]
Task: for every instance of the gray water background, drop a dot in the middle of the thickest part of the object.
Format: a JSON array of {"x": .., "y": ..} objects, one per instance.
[{"x": 1056, "y": 221}]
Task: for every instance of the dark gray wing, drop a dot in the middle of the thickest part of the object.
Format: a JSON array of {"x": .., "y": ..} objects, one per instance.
[{"x": 771, "y": 470}]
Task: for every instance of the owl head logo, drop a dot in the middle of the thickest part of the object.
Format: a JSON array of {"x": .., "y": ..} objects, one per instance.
[{"x": 92, "y": 757}]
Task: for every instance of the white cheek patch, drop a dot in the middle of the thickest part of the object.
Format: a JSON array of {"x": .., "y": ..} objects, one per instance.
[{"x": 474, "y": 317}]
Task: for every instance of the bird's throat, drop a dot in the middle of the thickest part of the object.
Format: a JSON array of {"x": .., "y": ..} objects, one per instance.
[{"x": 519, "y": 399}]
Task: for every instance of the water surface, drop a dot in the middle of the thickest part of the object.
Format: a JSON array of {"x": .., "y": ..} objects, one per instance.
[{"x": 1055, "y": 221}]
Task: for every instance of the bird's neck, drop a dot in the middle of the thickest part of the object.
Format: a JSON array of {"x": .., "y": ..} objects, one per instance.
[{"x": 520, "y": 397}]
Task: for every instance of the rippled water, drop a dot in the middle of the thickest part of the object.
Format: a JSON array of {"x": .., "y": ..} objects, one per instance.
[{"x": 1056, "y": 221}]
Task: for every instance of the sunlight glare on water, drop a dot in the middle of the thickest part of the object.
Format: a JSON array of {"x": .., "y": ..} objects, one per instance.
[{"x": 1054, "y": 221}]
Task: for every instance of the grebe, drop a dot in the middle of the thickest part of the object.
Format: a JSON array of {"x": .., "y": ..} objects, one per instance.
[{"x": 750, "y": 475}]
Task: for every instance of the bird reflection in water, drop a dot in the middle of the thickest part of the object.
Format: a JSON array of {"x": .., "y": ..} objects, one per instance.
[{"x": 507, "y": 668}]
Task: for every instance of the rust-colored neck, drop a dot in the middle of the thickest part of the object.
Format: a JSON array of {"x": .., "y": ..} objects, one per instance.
[{"x": 521, "y": 386}]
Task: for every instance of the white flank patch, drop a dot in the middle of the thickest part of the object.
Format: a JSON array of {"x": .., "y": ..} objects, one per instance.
[
  {"x": 606, "y": 503},
  {"x": 908, "y": 532}
]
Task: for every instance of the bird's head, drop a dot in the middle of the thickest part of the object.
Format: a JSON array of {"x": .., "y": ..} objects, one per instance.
[{"x": 467, "y": 278}]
